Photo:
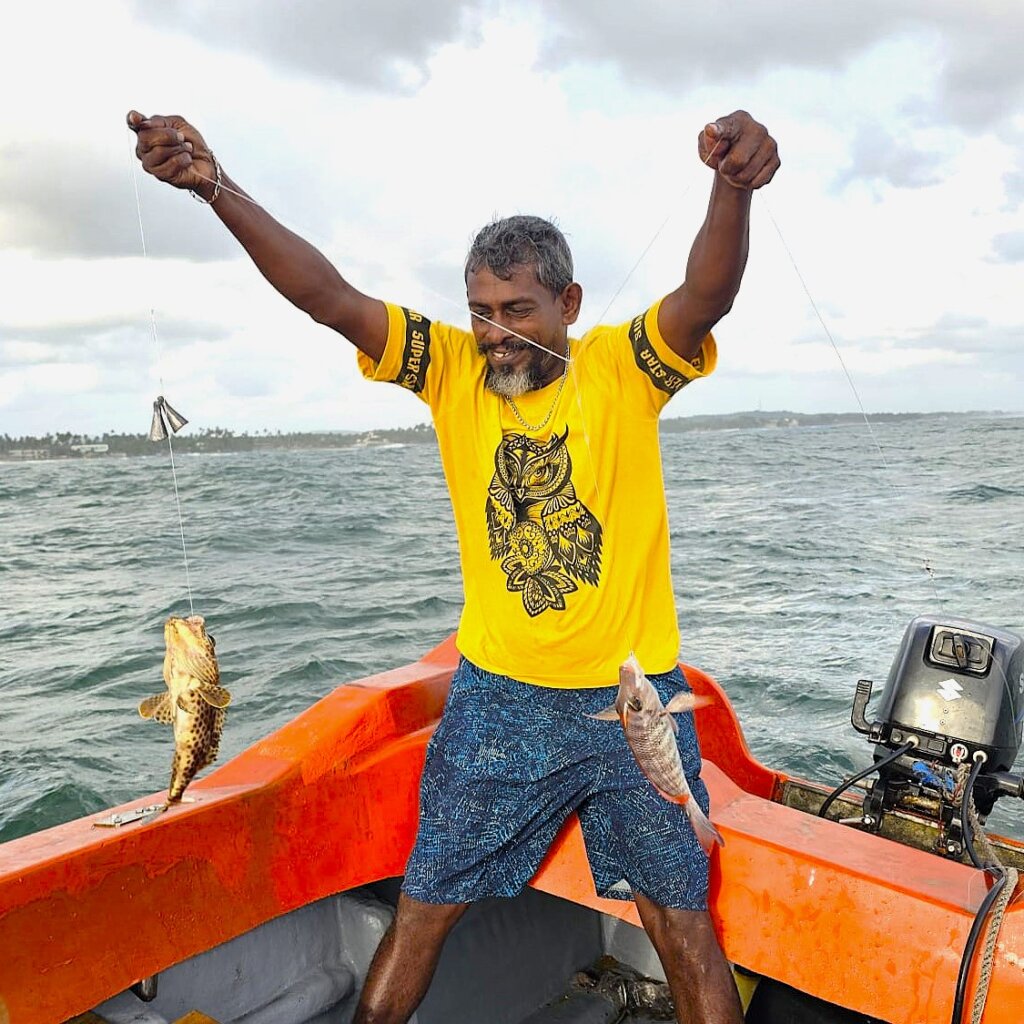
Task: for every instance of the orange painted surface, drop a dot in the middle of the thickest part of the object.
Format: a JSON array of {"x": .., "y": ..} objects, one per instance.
[
  {"x": 324, "y": 804},
  {"x": 329, "y": 802}
]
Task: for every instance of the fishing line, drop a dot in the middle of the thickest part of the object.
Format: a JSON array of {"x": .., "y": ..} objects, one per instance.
[
  {"x": 647, "y": 248},
  {"x": 576, "y": 381},
  {"x": 899, "y": 498},
  {"x": 835, "y": 348},
  {"x": 925, "y": 561},
  {"x": 501, "y": 327},
  {"x": 159, "y": 360},
  {"x": 460, "y": 305},
  {"x": 571, "y": 360},
  {"x": 568, "y": 358}
]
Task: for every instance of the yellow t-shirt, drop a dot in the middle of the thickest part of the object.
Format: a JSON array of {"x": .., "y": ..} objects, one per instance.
[{"x": 563, "y": 532}]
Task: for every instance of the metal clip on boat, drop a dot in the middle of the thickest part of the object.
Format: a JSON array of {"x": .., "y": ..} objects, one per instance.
[{"x": 127, "y": 817}]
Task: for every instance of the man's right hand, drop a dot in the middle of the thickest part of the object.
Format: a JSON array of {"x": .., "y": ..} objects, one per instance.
[{"x": 172, "y": 150}]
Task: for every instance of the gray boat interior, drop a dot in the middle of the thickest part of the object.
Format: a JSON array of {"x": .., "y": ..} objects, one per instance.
[{"x": 507, "y": 961}]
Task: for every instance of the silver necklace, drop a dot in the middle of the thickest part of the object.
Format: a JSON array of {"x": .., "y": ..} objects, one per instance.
[{"x": 544, "y": 422}]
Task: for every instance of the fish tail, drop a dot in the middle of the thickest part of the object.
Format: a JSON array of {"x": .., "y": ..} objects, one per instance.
[
  {"x": 179, "y": 779},
  {"x": 704, "y": 829}
]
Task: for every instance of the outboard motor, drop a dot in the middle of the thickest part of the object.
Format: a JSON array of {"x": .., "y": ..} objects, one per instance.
[
  {"x": 954, "y": 696},
  {"x": 946, "y": 736}
]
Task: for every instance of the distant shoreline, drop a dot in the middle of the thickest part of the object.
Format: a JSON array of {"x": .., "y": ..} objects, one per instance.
[{"x": 67, "y": 445}]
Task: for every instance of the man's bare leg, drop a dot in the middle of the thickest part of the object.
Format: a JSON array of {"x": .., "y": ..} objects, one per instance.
[
  {"x": 405, "y": 961},
  {"x": 696, "y": 970}
]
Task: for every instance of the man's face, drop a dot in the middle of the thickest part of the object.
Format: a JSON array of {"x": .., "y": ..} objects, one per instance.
[{"x": 521, "y": 304}]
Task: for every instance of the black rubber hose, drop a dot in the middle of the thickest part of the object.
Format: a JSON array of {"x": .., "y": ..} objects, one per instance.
[
  {"x": 888, "y": 759},
  {"x": 972, "y": 942}
]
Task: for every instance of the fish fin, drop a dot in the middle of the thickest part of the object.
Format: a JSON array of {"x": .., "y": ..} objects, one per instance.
[
  {"x": 181, "y": 704},
  {"x": 158, "y": 708},
  {"x": 707, "y": 834},
  {"x": 206, "y": 671},
  {"x": 609, "y": 714},
  {"x": 215, "y": 696},
  {"x": 685, "y": 701},
  {"x": 672, "y": 724}
]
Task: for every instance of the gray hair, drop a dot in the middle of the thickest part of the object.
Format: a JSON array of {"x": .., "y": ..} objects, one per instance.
[{"x": 522, "y": 241}]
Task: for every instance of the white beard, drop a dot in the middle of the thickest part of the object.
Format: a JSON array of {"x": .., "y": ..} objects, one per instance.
[{"x": 510, "y": 383}]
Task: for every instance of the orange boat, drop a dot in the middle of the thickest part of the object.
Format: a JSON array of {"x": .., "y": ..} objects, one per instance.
[{"x": 264, "y": 897}]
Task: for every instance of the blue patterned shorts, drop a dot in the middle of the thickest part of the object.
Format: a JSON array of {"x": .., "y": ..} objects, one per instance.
[{"x": 507, "y": 765}]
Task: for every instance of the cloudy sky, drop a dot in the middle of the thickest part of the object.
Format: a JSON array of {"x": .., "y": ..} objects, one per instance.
[{"x": 386, "y": 132}]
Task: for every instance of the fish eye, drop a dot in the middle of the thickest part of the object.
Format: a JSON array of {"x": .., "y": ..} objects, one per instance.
[{"x": 634, "y": 703}]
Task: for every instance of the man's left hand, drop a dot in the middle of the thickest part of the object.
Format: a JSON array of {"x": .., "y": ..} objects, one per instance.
[{"x": 740, "y": 150}]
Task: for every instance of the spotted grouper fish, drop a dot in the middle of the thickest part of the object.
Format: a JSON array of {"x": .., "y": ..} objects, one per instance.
[
  {"x": 195, "y": 703},
  {"x": 651, "y": 734}
]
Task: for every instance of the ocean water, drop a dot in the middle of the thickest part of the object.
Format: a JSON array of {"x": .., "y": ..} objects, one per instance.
[{"x": 799, "y": 557}]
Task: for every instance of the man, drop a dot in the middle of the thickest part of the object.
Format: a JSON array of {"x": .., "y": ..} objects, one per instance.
[{"x": 550, "y": 449}]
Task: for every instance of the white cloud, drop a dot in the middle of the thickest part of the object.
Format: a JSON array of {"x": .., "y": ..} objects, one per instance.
[
  {"x": 42, "y": 382},
  {"x": 1008, "y": 246},
  {"x": 389, "y": 167},
  {"x": 878, "y": 157},
  {"x": 384, "y": 43},
  {"x": 979, "y": 76}
]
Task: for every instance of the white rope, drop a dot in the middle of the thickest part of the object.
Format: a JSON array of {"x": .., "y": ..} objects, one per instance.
[
  {"x": 995, "y": 922},
  {"x": 998, "y": 910}
]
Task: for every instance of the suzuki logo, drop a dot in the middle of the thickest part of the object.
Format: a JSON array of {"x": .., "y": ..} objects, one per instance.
[{"x": 949, "y": 689}]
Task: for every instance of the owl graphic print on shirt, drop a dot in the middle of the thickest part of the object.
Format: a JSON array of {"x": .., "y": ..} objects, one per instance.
[{"x": 545, "y": 538}]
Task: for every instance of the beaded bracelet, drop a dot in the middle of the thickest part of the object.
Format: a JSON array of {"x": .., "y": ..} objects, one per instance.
[{"x": 216, "y": 185}]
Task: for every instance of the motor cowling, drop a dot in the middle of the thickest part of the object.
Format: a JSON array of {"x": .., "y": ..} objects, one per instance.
[{"x": 956, "y": 686}]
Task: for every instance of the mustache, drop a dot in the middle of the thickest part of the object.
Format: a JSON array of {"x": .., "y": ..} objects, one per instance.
[{"x": 483, "y": 348}]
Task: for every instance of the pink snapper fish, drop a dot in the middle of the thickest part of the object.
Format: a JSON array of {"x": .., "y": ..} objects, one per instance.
[{"x": 651, "y": 734}]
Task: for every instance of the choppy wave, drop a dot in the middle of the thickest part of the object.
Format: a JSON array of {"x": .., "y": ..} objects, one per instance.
[
  {"x": 798, "y": 559},
  {"x": 985, "y": 492}
]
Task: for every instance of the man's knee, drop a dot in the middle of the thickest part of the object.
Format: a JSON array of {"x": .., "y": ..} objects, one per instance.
[
  {"x": 427, "y": 919},
  {"x": 688, "y": 933}
]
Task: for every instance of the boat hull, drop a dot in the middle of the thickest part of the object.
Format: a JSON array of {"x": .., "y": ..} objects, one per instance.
[{"x": 328, "y": 804}]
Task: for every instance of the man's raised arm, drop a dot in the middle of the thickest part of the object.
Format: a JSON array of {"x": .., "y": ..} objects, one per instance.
[
  {"x": 744, "y": 157},
  {"x": 172, "y": 150}
]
